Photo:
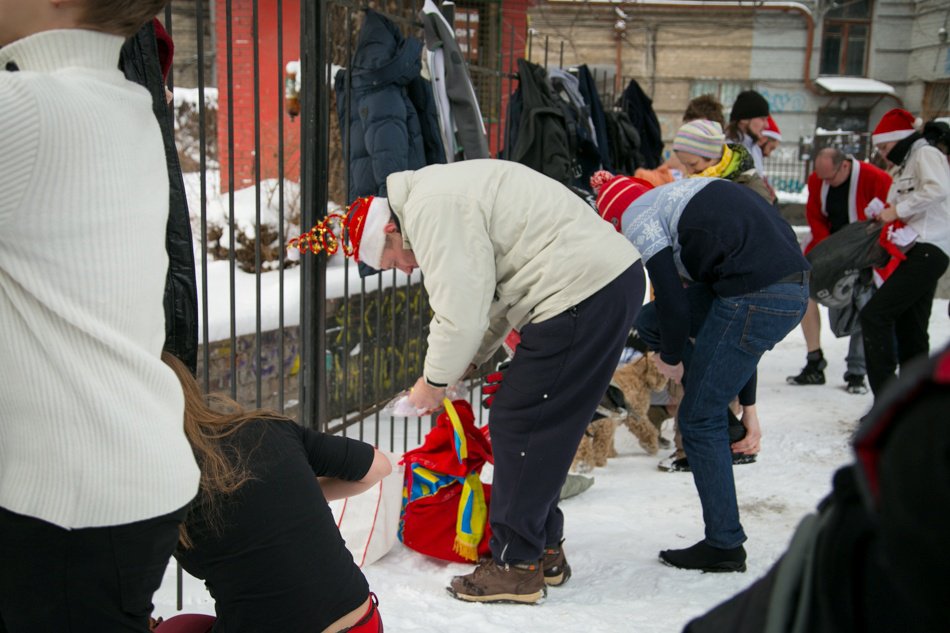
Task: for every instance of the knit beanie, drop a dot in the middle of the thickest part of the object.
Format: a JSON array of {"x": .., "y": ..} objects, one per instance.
[
  {"x": 771, "y": 130},
  {"x": 895, "y": 125},
  {"x": 749, "y": 105},
  {"x": 701, "y": 137},
  {"x": 616, "y": 193}
]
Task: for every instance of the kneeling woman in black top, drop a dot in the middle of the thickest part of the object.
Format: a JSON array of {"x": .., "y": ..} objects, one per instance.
[{"x": 260, "y": 533}]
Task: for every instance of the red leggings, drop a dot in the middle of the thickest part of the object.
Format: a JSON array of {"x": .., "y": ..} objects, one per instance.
[
  {"x": 370, "y": 622},
  {"x": 195, "y": 623},
  {"x": 186, "y": 623}
]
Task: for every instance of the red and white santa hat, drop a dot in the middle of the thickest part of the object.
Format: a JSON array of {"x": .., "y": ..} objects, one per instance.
[
  {"x": 616, "y": 193},
  {"x": 771, "y": 130},
  {"x": 366, "y": 227},
  {"x": 895, "y": 125}
]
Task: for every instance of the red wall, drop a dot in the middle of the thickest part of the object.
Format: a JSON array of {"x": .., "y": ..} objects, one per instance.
[
  {"x": 242, "y": 87},
  {"x": 514, "y": 16}
]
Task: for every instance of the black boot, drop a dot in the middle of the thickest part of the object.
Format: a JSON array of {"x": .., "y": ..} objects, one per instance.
[
  {"x": 706, "y": 558},
  {"x": 813, "y": 372}
]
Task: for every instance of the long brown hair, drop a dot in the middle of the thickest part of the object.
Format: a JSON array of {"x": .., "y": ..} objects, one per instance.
[
  {"x": 209, "y": 420},
  {"x": 704, "y": 107}
]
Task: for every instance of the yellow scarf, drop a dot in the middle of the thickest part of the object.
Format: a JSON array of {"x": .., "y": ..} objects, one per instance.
[{"x": 716, "y": 170}]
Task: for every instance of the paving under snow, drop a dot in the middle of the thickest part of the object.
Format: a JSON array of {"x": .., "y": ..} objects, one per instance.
[{"x": 615, "y": 529}]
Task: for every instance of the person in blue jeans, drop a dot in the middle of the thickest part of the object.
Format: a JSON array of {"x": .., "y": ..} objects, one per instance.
[{"x": 745, "y": 288}]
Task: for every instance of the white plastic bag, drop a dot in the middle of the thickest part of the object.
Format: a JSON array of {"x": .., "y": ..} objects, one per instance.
[
  {"x": 369, "y": 522},
  {"x": 400, "y": 407}
]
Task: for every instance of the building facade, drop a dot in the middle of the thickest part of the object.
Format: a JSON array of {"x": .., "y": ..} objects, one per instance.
[{"x": 830, "y": 65}]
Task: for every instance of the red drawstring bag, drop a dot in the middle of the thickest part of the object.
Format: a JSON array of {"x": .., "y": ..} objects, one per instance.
[{"x": 445, "y": 504}]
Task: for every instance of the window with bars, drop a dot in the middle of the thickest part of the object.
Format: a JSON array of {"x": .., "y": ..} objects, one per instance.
[{"x": 845, "y": 36}]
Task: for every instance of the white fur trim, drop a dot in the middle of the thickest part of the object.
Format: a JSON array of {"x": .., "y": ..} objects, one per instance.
[
  {"x": 894, "y": 135},
  {"x": 374, "y": 232},
  {"x": 772, "y": 134}
]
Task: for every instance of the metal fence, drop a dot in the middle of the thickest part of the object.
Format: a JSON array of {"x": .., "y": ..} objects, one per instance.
[
  {"x": 265, "y": 157},
  {"x": 309, "y": 338}
]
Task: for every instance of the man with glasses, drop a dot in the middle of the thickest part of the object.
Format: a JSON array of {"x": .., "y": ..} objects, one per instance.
[{"x": 839, "y": 192}]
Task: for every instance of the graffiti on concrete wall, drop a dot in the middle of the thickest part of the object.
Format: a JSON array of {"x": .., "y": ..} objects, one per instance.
[
  {"x": 784, "y": 100},
  {"x": 375, "y": 346}
]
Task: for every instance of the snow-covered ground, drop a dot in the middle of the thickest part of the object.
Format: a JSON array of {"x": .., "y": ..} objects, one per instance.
[{"x": 615, "y": 529}]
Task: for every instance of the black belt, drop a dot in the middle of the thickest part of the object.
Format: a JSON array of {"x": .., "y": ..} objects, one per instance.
[{"x": 800, "y": 277}]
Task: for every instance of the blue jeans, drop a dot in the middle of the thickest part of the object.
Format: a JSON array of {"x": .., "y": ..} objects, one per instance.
[{"x": 731, "y": 339}]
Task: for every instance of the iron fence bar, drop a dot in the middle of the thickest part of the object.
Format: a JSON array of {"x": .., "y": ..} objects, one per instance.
[
  {"x": 345, "y": 135},
  {"x": 392, "y": 360},
  {"x": 203, "y": 179},
  {"x": 232, "y": 263},
  {"x": 322, "y": 189},
  {"x": 377, "y": 355},
  {"x": 362, "y": 357},
  {"x": 312, "y": 188},
  {"x": 255, "y": 47},
  {"x": 281, "y": 238},
  {"x": 511, "y": 77}
]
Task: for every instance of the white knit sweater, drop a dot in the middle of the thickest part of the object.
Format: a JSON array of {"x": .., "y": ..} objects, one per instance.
[{"x": 90, "y": 418}]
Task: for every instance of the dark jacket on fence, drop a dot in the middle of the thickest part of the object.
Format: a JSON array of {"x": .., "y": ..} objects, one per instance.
[
  {"x": 588, "y": 90},
  {"x": 580, "y": 126},
  {"x": 624, "y": 143},
  {"x": 537, "y": 135},
  {"x": 385, "y": 133},
  {"x": 639, "y": 107},
  {"x": 140, "y": 63}
]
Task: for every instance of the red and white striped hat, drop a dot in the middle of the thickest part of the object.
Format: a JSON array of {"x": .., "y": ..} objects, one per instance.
[{"x": 616, "y": 193}]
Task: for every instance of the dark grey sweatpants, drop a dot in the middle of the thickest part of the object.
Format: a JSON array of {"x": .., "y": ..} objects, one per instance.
[{"x": 559, "y": 373}]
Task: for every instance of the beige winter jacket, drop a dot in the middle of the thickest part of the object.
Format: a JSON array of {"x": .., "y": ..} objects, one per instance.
[{"x": 500, "y": 246}]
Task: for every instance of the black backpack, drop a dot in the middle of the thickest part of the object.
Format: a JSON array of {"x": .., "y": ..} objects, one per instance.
[
  {"x": 624, "y": 143},
  {"x": 577, "y": 116}
]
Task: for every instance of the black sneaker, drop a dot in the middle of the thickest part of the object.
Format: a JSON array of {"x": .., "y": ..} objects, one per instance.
[
  {"x": 811, "y": 374},
  {"x": 738, "y": 459},
  {"x": 674, "y": 464},
  {"x": 855, "y": 384},
  {"x": 706, "y": 558}
]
